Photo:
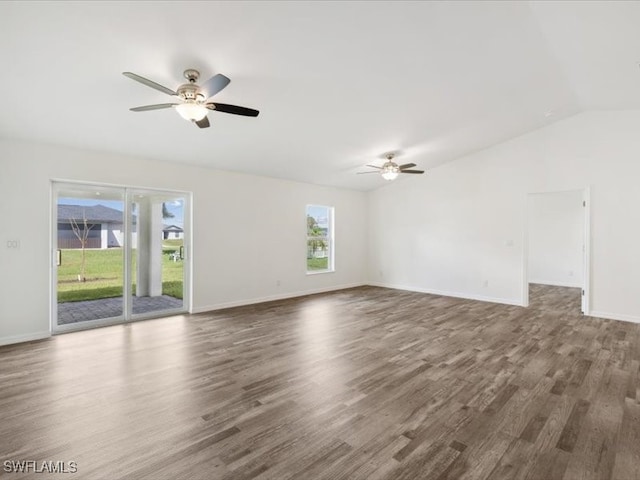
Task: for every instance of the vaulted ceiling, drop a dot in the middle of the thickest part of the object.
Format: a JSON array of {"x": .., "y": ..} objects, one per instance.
[{"x": 337, "y": 83}]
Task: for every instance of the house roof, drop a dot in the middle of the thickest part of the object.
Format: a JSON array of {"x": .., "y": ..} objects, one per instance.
[
  {"x": 337, "y": 83},
  {"x": 93, "y": 214},
  {"x": 172, "y": 228}
]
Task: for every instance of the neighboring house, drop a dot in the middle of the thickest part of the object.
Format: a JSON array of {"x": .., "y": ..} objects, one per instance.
[
  {"x": 172, "y": 231},
  {"x": 105, "y": 226}
]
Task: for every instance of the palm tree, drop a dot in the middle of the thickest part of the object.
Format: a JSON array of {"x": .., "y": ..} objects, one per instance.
[
  {"x": 316, "y": 239},
  {"x": 165, "y": 211}
]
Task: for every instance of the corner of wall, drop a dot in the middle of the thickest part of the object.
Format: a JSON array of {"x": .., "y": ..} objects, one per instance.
[{"x": 24, "y": 338}]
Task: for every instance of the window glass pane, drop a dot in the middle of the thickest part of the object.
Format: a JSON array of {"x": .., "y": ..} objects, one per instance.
[
  {"x": 90, "y": 239},
  {"x": 319, "y": 238}
]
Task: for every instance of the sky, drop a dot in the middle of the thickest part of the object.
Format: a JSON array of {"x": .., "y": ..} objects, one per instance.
[
  {"x": 320, "y": 214},
  {"x": 176, "y": 207}
]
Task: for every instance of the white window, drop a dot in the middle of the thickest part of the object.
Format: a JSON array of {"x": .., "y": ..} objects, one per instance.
[{"x": 319, "y": 239}]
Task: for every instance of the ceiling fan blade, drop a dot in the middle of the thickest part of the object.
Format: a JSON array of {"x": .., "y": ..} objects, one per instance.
[
  {"x": 412, "y": 171},
  {"x": 407, "y": 165},
  {"x": 214, "y": 85},
  {"x": 149, "y": 83},
  {"x": 362, "y": 173},
  {"x": 204, "y": 123},
  {"x": 152, "y": 107},
  {"x": 234, "y": 109},
  {"x": 374, "y": 166}
]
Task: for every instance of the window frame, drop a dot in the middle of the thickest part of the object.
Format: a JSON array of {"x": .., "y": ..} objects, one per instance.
[{"x": 330, "y": 238}]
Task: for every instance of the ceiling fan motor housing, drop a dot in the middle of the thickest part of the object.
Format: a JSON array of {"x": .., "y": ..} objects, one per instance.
[{"x": 190, "y": 91}]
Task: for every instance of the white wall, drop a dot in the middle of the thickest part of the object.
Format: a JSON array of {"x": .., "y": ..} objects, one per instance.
[
  {"x": 230, "y": 212},
  {"x": 459, "y": 229},
  {"x": 556, "y": 237}
]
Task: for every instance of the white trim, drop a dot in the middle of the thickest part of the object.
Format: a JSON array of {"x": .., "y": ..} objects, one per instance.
[
  {"x": 127, "y": 253},
  {"x": 27, "y": 337},
  {"x": 271, "y": 298},
  {"x": 187, "y": 245},
  {"x": 553, "y": 283},
  {"x": 80, "y": 183},
  {"x": 467, "y": 296},
  {"x": 114, "y": 321},
  {"x": 318, "y": 272},
  {"x": 586, "y": 280},
  {"x": 53, "y": 248},
  {"x": 524, "y": 289},
  {"x": 615, "y": 316},
  {"x": 88, "y": 324}
]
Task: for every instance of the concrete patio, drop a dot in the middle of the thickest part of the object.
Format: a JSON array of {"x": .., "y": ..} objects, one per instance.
[{"x": 74, "y": 312}]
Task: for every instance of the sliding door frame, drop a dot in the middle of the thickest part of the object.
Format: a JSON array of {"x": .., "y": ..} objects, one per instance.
[
  {"x": 130, "y": 193},
  {"x": 127, "y": 315}
]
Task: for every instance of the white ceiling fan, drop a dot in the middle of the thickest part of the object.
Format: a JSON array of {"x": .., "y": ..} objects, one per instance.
[
  {"x": 193, "y": 100},
  {"x": 390, "y": 169}
]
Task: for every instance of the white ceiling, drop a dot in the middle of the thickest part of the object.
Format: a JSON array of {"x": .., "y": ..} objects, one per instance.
[{"x": 337, "y": 83}]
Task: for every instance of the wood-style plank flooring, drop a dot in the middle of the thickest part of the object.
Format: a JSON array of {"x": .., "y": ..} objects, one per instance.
[{"x": 365, "y": 383}]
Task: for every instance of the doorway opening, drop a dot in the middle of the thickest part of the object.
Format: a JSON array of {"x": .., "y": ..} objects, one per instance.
[
  {"x": 556, "y": 260},
  {"x": 119, "y": 254}
]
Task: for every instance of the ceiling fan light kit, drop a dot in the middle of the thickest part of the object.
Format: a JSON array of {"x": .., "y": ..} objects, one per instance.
[
  {"x": 193, "y": 99},
  {"x": 390, "y": 171},
  {"x": 192, "y": 111}
]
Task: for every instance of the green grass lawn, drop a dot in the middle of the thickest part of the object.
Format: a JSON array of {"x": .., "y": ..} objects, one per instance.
[
  {"x": 317, "y": 263},
  {"x": 105, "y": 276},
  {"x": 174, "y": 243}
]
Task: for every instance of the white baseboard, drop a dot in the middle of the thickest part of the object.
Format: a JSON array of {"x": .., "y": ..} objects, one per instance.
[
  {"x": 615, "y": 316},
  {"x": 481, "y": 298},
  {"x": 271, "y": 298},
  {"x": 24, "y": 338},
  {"x": 556, "y": 284}
]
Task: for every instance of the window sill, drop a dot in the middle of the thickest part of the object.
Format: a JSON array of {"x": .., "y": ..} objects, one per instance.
[{"x": 319, "y": 272}]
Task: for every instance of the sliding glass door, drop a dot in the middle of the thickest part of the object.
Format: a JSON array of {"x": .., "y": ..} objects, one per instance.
[
  {"x": 119, "y": 254},
  {"x": 89, "y": 254},
  {"x": 157, "y": 252}
]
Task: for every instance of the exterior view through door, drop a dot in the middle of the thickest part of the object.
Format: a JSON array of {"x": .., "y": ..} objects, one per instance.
[{"x": 119, "y": 254}]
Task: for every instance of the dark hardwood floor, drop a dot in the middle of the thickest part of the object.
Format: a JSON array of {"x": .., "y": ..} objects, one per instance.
[{"x": 366, "y": 383}]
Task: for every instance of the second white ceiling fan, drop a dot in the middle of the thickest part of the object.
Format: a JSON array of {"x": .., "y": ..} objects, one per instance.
[{"x": 390, "y": 169}]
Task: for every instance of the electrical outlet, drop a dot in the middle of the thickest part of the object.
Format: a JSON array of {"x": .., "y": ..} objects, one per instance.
[
  {"x": 485, "y": 283},
  {"x": 13, "y": 243}
]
